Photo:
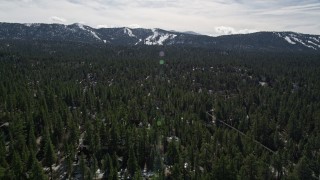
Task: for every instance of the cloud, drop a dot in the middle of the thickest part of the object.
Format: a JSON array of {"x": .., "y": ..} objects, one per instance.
[
  {"x": 202, "y": 16},
  {"x": 102, "y": 26},
  {"x": 223, "y": 30},
  {"x": 306, "y": 9},
  {"x": 58, "y": 19},
  {"x": 134, "y": 26}
]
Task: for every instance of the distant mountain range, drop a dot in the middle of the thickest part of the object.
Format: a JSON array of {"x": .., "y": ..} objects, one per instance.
[{"x": 265, "y": 41}]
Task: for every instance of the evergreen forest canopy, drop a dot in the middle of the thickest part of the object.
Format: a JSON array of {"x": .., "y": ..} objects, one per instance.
[{"x": 86, "y": 111}]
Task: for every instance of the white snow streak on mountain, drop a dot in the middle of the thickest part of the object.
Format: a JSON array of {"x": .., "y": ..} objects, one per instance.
[
  {"x": 289, "y": 40},
  {"x": 28, "y": 24},
  {"x": 315, "y": 39},
  {"x": 163, "y": 38},
  {"x": 94, "y": 34},
  {"x": 152, "y": 40},
  {"x": 300, "y": 41},
  {"x": 152, "y": 37},
  {"x": 81, "y": 26},
  {"x": 32, "y": 24},
  {"x": 138, "y": 41},
  {"x": 310, "y": 42},
  {"x": 293, "y": 39},
  {"x": 129, "y": 32},
  {"x": 278, "y": 34}
]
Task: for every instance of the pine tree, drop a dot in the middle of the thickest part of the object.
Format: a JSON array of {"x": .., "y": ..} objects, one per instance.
[
  {"x": 176, "y": 172},
  {"x": 249, "y": 168},
  {"x": 2, "y": 172},
  {"x": 132, "y": 163},
  {"x": 83, "y": 167},
  {"x": 37, "y": 171},
  {"x": 302, "y": 169},
  {"x": 137, "y": 175},
  {"x": 69, "y": 165},
  {"x": 263, "y": 170},
  {"x": 32, "y": 139},
  {"x": 17, "y": 166},
  {"x": 49, "y": 155},
  {"x": 115, "y": 161},
  {"x": 111, "y": 172},
  {"x": 277, "y": 164},
  {"x": 3, "y": 161},
  {"x": 222, "y": 170},
  {"x": 172, "y": 154}
]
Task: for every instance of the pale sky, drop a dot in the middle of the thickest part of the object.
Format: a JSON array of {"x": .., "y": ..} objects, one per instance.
[{"x": 211, "y": 17}]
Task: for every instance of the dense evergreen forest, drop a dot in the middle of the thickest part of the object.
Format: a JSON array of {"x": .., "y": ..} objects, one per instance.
[{"x": 85, "y": 111}]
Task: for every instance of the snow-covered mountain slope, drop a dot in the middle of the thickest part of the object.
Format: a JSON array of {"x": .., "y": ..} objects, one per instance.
[
  {"x": 312, "y": 42},
  {"x": 266, "y": 41},
  {"x": 158, "y": 37},
  {"x": 275, "y": 41},
  {"x": 128, "y": 31}
]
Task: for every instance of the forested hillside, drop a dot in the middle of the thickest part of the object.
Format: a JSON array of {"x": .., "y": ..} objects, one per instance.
[
  {"x": 91, "y": 111},
  {"x": 124, "y": 36}
]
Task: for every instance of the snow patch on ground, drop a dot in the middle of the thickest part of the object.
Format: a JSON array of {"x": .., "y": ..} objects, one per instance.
[
  {"x": 278, "y": 34},
  {"x": 94, "y": 34},
  {"x": 138, "y": 42},
  {"x": 99, "y": 174},
  {"x": 293, "y": 39},
  {"x": 289, "y": 40},
  {"x": 81, "y": 26},
  {"x": 263, "y": 84},
  {"x": 317, "y": 45},
  {"x": 32, "y": 24},
  {"x": 300, "y": 41},
  {"x": 28, "y": 24},
  {"x": 129, "y": 32},
  {"x": 158, "y": 38},
  {"x": 152, "y": 37},
  {"x": 163, "y": 38},
  {"x": 55, "y": 167},
  {"x": 5, "y": 124},
  {"x": 315, "y": 39},
  {"x": 81, "y": 139}
]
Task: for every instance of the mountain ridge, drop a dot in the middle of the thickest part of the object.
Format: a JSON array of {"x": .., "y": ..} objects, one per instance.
[{"x": 263, "y": 40}]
